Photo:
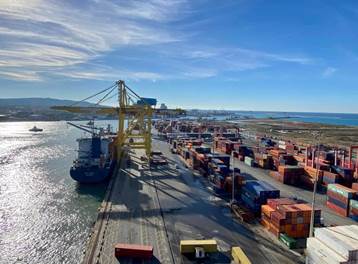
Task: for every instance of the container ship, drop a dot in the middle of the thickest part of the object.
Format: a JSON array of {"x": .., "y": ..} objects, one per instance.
[{"x": 95, "y": 161}]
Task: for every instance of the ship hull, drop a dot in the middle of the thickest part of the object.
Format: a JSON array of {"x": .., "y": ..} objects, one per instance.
[{"x": 90, "y": 174}]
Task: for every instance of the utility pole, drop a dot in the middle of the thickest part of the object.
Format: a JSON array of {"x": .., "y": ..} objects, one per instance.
[{"x": 315, "y": 186}]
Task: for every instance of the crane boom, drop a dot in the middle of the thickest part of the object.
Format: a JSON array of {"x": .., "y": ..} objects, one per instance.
[
  {"x": 139, "y": 117},
  {"x": 80, "y": 127},
  {"x": 87, "y": 110}
]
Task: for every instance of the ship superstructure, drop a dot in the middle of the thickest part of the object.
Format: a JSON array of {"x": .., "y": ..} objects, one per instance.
[{"x": 95, "y": 160}]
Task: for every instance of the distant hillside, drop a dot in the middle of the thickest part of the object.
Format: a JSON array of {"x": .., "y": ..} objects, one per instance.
[{"x": 37, "y": 102}]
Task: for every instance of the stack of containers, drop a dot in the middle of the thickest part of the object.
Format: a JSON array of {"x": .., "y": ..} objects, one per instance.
[
  {"x": 346, "y": 175},
  {"x": 276, "y": 153},
  {"x": 353, "y": 210},
  {"x": 299, "y": 158},
  {"x": 330, "y": 177},
  {"x": 240, "y": 152},
  {"x": 255, "y": 193},
  {"x": 288, "y": 217},
  {"x": 271, "y": 207},
  {"x": 264, "y": 161},
  {"x": 290, "y": 174},
  {"x": 338, "y": 198},
  {"x": 286, "y": 159},
  {"x": 239, "y": 180},
  {"x": 308, "y": 178},
  {"x": 333, "y": 245}
]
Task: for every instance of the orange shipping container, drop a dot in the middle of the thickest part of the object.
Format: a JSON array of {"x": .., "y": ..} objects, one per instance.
[{"x": 267, "y": 210}]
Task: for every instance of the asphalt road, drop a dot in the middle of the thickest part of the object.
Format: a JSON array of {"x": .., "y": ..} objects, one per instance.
[{"x": 191, "y": 211}]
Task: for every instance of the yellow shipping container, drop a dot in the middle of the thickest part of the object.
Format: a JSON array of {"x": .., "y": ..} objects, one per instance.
[
  {"x": 239, "y": 256},
  {"x": 188, "y": 246}
]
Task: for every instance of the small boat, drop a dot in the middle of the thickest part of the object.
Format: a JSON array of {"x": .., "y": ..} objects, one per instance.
[{"x": 36, "y": 129}]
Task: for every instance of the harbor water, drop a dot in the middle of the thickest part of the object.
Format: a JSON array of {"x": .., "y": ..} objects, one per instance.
[{"x": 45, "y": 216}]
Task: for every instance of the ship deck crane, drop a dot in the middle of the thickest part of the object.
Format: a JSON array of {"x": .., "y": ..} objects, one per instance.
[{"x": 137, "y": 134}]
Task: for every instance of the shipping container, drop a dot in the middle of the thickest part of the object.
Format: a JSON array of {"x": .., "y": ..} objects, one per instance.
[
  {"x": 188, "y": 246},
  {"x": 353, "y": 209},
  {"x": 290, "y": 242},
  {"x": 239, "y": 256},
  {"x": 287, "y": 217},
  {"x": 355, "y": 186},
  {"x": 133, "y": 251},
  {"x": 330, "y": 177},
  {"x": 343, "y": 241},
  {"x": 317, "y": 253},
  {"x": 249, "y": 161},
  {"x": 255, "y": 193},
  {"x": 342, "y": 190}
]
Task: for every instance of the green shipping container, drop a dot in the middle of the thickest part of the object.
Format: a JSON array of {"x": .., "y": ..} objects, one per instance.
[
  {"x": 288, "y": 241},
  {"x": 342, "y": 190},
  {"x": 353, "y": 204}
]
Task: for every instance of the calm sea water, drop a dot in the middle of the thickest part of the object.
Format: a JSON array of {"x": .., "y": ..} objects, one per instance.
[{"x": 45, "y": 216}]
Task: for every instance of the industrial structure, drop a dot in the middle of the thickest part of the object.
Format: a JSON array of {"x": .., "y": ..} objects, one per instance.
[{"x": 133, "y": 109}]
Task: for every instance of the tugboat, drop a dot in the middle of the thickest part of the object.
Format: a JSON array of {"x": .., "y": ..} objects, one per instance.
[
  {"x": 95, "y": 161},
  {"x": 35, "y": 129}
]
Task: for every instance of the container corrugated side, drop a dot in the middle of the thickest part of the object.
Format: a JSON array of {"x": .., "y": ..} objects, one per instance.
[
  {"x": 343, "y": 244},
  {"x": 319, "y": 253},
  {"x": 239, "y": 256}
]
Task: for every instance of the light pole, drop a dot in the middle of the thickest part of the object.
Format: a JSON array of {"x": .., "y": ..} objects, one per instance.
[
  {"x": 233, "y": 178},
  {"x": 315, "y": 187}
]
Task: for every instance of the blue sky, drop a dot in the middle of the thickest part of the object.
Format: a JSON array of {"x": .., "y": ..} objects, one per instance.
[{"x": 245, "y": 55}]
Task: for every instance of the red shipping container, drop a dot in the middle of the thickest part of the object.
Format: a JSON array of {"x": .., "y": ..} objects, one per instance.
[
  {"x": 273, "y": 203},
  {"x": 337, "y": 209},
  {"x": 355, "y": 186},
  {"x": 133, "y": 251},
  {"x": 338, "y": 197},
  {"x": 277, "y": 219}
]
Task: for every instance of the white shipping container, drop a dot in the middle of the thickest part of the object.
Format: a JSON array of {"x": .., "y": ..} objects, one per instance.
[
  {"x": 249, "y": 161},
  {"x": 349, "y": 230},
  {"x": 282, "y": 146},
  {"x": 340, "y": 240},
  {"x": 319, "y": 253}
]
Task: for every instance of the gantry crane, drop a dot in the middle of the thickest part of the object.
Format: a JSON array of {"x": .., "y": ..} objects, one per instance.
[{"x": 137, "y": 133}]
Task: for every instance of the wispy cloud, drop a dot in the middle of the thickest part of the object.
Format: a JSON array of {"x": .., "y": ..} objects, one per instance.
[
  {"x": 46, "y": 36},
  {"x": 110, "y": 74},
  {"x": 328, "y": 72},
  {"x": 42, "y": 38},
  {"x": 22, "y": 75},
  {"x": 236, "y": 59}
]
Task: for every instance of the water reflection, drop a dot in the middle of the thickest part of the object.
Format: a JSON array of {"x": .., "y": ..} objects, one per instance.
[{"x": 45, "y": 216}]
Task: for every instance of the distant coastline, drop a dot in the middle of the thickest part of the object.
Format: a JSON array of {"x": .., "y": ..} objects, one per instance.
[
  {"x": 306, "y": 117},
  {"x": 39, "y": 109}
]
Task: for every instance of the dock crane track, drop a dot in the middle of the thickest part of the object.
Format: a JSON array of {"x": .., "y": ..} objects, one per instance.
[
  {"x": 164, "y": 224},
  {"x": 103, "y": 216}
]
